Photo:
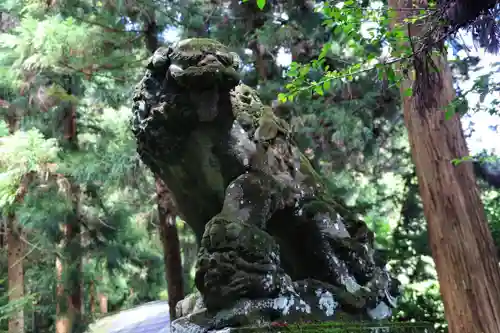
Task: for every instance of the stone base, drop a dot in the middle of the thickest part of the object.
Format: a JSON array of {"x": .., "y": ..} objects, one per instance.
[
  {"x": 312, "y": 303},
  {"x": 336, "y": 328},
  {"x": 325, "y": 327}
]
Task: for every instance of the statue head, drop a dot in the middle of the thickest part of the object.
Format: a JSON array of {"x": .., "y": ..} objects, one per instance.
[
  {"x": 198, "y": 63},
  {"x": 185, "y": 126}
]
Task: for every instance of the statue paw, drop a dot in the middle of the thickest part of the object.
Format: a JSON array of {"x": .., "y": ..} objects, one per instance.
[{"x": 237, "y": 260}]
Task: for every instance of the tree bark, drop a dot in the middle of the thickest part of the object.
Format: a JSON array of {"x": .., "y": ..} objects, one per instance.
[
  {"x": 69, "y": 292},
  {"x": 69, "y": 267},
  {"x": 461, "y": 243},
  {"x": 15, "y": 273},
  {"x": 16, "y": 250},
  {"x": 63, "y": 321},
  {"x": 171, "y": 246},
  {"x": 103, "y": 303},
  {"x": 92, "y": 300},
  {"x": 101, "y": 299}
]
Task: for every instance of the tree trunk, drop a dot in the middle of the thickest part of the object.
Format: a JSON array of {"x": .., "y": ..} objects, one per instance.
[
  {"x": 92, "y": 300},
  {"x": 15, "y": 256},
  {"x": 69, "y": 268},
  {"x": 189, "y": 256},
  {"x": 103, "y": 303},
  {"x": 63, "y": 321},
  {"x": 101, "y": 299},
  {"x": 461, "y": 243},
  {"x": 15, "y": 273},
  {"x": 3, "y": 234},
  {"x": 171, "y": 247}
]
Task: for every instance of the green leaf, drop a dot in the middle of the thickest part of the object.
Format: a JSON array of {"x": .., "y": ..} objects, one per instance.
[
  {"x": 391, "y": 76},
  {"x": 348, "y": 28},
  {"x": 326, "y": 85},
  {"x": 450, "y": 111},
  {"x": 408, "y": 92},
  {"x": 328, "y": 23},
  {"x": 318, "y": 90},
  {"x": 457, "y": 161},
  {"x": 391, "y": 13},
  {"x": 304, "y": 70},
  {"x": 282, "y": 97},
  {"x": 380, "y": 72},
  {"x": 261, "y": 4},
  {"x": 324, "y": 51}
]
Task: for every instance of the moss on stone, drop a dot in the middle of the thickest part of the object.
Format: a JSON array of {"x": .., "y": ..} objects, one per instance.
[{"x": 200, "y": 45}]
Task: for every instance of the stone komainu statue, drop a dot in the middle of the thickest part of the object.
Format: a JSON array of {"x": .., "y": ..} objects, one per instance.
[{"x": 274, "y": 246}]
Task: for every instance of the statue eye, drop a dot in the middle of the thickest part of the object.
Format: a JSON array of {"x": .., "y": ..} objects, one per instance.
[{"x": 224, "y": 59}]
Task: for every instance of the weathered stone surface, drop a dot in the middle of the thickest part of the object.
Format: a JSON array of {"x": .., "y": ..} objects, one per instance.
[{"x": 273, "y": 243}]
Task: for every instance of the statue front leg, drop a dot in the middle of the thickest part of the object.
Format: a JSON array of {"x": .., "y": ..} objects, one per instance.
[{"x": 237, "y": 257}]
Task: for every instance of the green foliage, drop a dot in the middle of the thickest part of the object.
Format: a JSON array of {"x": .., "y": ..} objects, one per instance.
[
  {"x": 491, "y": 200},
  {"x": 20, "y": 154},
  {"x": 94, "y": 68},
  {"x": 10, "y": 308},
  {"x": 61, "y": 45}
]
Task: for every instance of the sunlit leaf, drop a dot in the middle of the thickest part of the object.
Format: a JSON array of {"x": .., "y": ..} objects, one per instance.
[{"x": 408, "y": 92}]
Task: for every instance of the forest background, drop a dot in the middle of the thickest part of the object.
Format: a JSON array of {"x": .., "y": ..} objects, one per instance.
[{"x": 87, "y": 224}]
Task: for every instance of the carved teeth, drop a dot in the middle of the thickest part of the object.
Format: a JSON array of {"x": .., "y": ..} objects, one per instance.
[{"x": 209, "y": 60}]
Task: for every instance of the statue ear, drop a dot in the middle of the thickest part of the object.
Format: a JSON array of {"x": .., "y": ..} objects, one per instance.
[
  {"x": 236, "y": 60},
  {"x": 160, "y": 60}
]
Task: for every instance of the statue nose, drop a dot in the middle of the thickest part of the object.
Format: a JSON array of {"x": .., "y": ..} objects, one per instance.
[{"x": 209, "y": 59}]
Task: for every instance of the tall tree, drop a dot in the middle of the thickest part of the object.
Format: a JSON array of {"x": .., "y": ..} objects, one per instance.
[
  {"x": 16, "y": 245},
  {"x": 171, "y": 245},
  {"x": 459, "y": 237},
  {"x": 166, "y": 206},
  {"x": 69, "y": 266},
  {"x": 115, "y": 232},
  {"x": 16, "y": 250},
  {"x": 11, "y": 227}
]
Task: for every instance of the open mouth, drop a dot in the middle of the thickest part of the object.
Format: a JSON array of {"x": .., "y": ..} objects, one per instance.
[{"x": 207, "y": 69}]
